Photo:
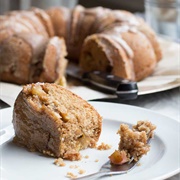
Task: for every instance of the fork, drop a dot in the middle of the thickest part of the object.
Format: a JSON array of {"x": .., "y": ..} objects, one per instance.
[{"x": 111, "y": 169}]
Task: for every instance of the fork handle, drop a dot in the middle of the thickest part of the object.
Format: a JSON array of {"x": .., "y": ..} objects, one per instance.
[{"x": 93, "y": 176}]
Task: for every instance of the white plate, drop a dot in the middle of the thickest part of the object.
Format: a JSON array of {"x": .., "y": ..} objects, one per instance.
[
  {"x": 5, "y": 117},
  {"x": 161, "y": 162}
]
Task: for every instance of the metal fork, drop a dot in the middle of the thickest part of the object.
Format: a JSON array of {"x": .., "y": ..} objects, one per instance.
[{"x": 110, "y": 169}]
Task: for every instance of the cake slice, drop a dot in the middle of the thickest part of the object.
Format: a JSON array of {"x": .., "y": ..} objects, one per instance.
[
  {"x": 133, "y": 142},
  {"x": 52, "y": 120},
  {"x": 107, "y": 53}
]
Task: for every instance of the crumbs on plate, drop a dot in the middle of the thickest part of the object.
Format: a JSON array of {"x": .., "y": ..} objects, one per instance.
[
  {"x": 59, "y": 162},
  {"x": 71, "y": 175},
  {"x": 73, "y": 166},
  {"x": 104, "y": 146},
  {"x": 81, "y": 171},
  {"x": 86, "y": 157}
]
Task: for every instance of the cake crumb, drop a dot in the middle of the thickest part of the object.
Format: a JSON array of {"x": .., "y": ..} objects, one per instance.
[
  {"x": 81, "y": 171},
  {"x": 104, "y": 146},
  {"x": 138, "y": 164},
  {"x": 73, "y": 166},
  {"x": 86, "y": 156},
  {"x": 59, "y": 162},
  {"x": 70, "y": 175},
  {"x": 97, "y": 160}
]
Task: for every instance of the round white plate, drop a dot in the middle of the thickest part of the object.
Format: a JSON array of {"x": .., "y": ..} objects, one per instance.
[{"x": 161, "y": 162}]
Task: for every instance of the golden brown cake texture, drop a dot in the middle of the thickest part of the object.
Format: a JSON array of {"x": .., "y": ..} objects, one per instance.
[
  {"x": 97, "y": 38},
  {"x": 52, "y": 120},
  {"x": 133, "y": 142}
]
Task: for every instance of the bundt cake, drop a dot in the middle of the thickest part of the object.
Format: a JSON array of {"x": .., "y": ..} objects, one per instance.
[
  {"x": 97, "y": 38},
  {"x": 52, "y": 120}
]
